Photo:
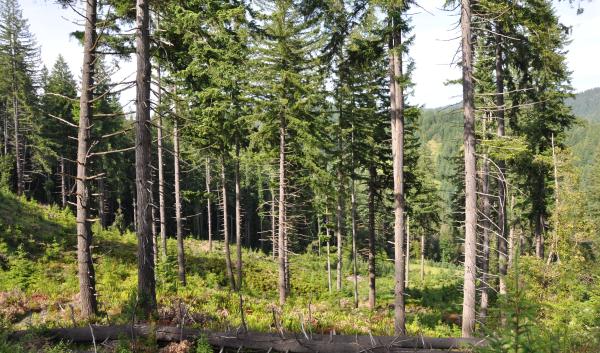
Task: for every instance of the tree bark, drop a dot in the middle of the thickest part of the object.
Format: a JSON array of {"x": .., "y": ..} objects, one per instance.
[
  {"x": 281, "y": 210},
  {"x": 228, "y": 264},
  {"x": 397, "y": 123},
  {"x": 208, "y": 205},
  {"x": 470, "y": 267},
  {"x": 179, "y": 227},
  {"x": 372, "y": 275},
  {"x": 502, "y": 223},
  {"x": 87, "y": 277},
  {"x": 161, "y": 175},
  {"x": 143, "y": 139},
  {"x": 539, "y": 235},
  {"x": 238, "y": 216},
  {"x": 15, "y": 101}
]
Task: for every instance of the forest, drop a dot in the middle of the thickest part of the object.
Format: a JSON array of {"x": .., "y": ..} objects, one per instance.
[{"x": 273, "y": 186}]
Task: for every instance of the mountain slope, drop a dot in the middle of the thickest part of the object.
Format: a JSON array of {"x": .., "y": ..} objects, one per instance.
[{"x": 586, "y": 105}]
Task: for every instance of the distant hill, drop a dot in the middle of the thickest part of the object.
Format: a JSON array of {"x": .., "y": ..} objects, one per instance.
[
  {"x": 586, "y": 104},
  {"x": 441, "y": 131}
]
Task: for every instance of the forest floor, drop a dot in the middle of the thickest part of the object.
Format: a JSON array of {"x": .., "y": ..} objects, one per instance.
[{"x": 38, "y": 284}]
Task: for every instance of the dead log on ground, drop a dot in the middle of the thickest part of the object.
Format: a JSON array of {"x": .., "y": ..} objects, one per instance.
[{"x": 273, "y": 342}]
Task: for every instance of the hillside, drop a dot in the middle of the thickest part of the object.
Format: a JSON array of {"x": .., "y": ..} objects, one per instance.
[
  {"x": 441, "y": 130},
  {"x": 38, "y": 283}
]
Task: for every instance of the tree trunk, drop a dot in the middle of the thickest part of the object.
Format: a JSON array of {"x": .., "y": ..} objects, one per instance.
[
  {"x": 353, "y": 215},
  {"x": 274, "y": 235},
  {"x": 422, "y": 259},
  {"x": 539, "y": 235},
  {"x": 372, "y": 275},
  {"x": 87, "y": 277},
  {"x": 262, "y": 342},
  {"x": 511, "y": 235},
  {"x": 486, "y": 224},
  {"x": 63, "y": 183},
  {"x": 238, "y": 216},
  {"x": 143, "y": 139},
  {"x": 502, "y": 243},
  {"x": 154, "y": 230},
  {"x": 228, "y": 265},
  {"x": 340, "y": 225},
  {"x": 281, "y": 210},
  {"x": 179, "y": 227},
  {"x": 470, "y": 267},
  {"x": 20, "y": 177},
  {"x": 161, "y": 177},
  {"x": 328, "y": 262},
  {"x": 397, "y": 123},
  {"x": 208, "y": 205},
  {"x": 407, "y": 257}
]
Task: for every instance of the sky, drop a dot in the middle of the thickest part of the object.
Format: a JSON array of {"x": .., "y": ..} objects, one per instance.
[{"x": 433, "y": 51}]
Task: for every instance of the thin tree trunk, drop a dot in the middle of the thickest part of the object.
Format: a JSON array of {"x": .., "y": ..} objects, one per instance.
[
  {"x": 511, "y": 235},
  {"x": 486, "y": 224},
  {"x": 228, "y": 264},
  {"x": 179, "y": 227},
  {"x": 238, "y": 216},
  {"x": 372, "y": 275},
  {"x": 274, "y": 235},
  {"x": 281, "y": 210},
  {"x": 354, "y": 250},
  {"x": 554, "y": 245},
  {"x": 539, "y": 236},
  {"x": 20, "y": 181},
  {"x": 143, "y": 140},
  {"x": 161, "y": 176},
  {"x": 340, "y": 227},
  {"x": 407, "y": 257},
  {"x": 328, "y": 263},
  {"x": 134, "y": 213},
  {"x": 208, "y": 205},
  {"x": 422, "y": 259},
  {"x": 87, "y": 277},
  {"x": 397, "y": 123},
  {"x": 470, "y": 266},
  {"x": 63, "y": 183},
  {"x": 502, "y": 221},
  {"x": 154, "y": 230}
]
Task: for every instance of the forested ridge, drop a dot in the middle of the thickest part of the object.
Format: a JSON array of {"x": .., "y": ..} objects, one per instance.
[{"x": 273, "y": 174}]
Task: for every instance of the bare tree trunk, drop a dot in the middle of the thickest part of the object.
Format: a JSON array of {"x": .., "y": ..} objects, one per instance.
[
  {"x": 154, "y": 230},
  {"x": 470, "y": 266},
  {"x": 340, "y": 227},
  {"x": 20, "y": 177},
  {"x": 228, "y": 265},
  {"x": 179, "y": 228},
  {"x": 397, "y": 117},
  {"x": 274, "y": 241},
  {"x": 328, "y": 262},
  {"x": 281, "y": 210},
  {"x": 134, "y": 213},
  {"x": 63, "y": 183},
  {"x": 143, "y": 139},
  {"x": 407, "y": 257},
  {"x": 208, "y": 205},
  {"x": 422, "y": 259},
  {"x": 554, "y": 246},
  {"x": 511, "y": 235},
  {"x": 87, "y": 277},
  {"x": 238, "y": 216},
  {"x": 372, "y": 275},
  {"x": 486, "y": 224},
  {"x": 502, "y": 244},
  {"x": 161, "y": 176},
  {"x": 353, "y": 215}
]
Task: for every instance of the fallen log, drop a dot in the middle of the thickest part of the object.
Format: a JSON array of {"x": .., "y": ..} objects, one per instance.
[{"x": 292, "y": 343}]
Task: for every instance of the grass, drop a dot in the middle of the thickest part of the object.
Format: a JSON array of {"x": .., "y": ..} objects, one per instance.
[{"x": 38, "y": 283}]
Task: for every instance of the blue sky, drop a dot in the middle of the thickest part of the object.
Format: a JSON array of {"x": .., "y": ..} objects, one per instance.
[{"x": 432, "y": 51}]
